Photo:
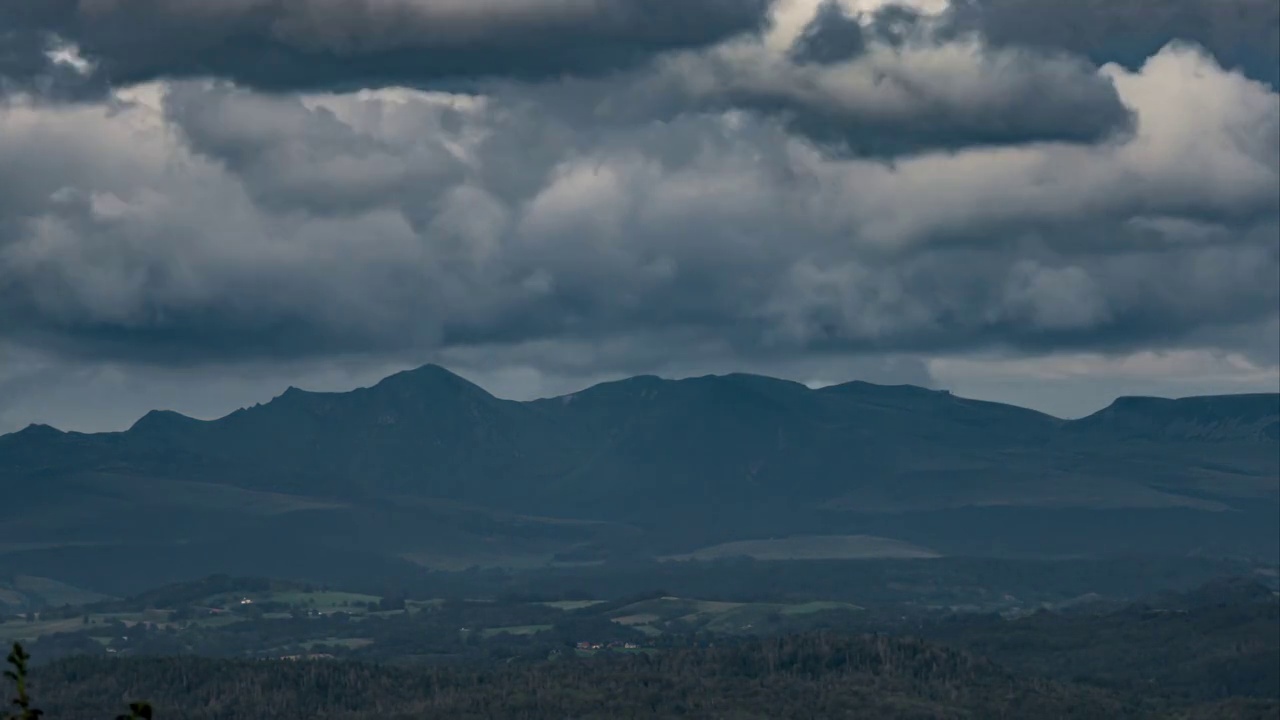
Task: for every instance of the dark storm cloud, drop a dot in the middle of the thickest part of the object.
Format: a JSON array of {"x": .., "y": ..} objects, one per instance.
[
  {"x": 886, "y": 84},
  {"x": 832, "y": 36},
  {"x": 882, "y": 100},
  {"x": 885, "y": 99},
  {"x": 28, "y": 64},
  {"x": 300, "y": 44},
  {"x": 665, "y": 217},
  {"x": 1241, "y": 34}
]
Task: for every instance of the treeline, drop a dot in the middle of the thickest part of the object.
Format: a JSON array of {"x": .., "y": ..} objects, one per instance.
[
  {"x": 1218, "y": 641},
  {"x": 1206, "y": 650},
  {"x": 810, "y": 676},
  {"x": 951, "y": 581},
  {"x": 1210, "y": 653},
  {"x": 816, "y": 675}
]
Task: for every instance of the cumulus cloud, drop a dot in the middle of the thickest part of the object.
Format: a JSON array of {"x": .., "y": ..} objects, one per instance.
[
  {"x": 290, "y": 156},
  {"x": 293, "y": 44},
  {"x": 833, "y": 35},
  {"x": 889, "y": 99},
  {"x": 864, "y": 83},
  {"x": 1241, "y": 34},
  {"x": 210, "y": 222},
  {"x": 857, "y": 191}
]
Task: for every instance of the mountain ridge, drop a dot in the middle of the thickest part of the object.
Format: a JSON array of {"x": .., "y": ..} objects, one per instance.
[
  {"x": 432, "y": 433},
  {"x": 426, "y": 467},
  {"x": 407, "y": 380},
  {"x": 1204, "y": 417}
]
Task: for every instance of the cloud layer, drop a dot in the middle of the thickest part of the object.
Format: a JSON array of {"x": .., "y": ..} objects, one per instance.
[
  {"x": 1241, "y": 34},
  {"x": 310, "y": 44},
  {"x": 889, "y": 99},
  {"x": 848, "y": 182}
]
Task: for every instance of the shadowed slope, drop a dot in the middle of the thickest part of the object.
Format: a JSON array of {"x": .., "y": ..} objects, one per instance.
[{"x": 428, "y": 466}]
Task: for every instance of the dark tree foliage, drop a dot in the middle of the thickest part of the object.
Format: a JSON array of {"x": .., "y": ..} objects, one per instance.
[
  {"x": 808, "y": 676},
  {"x": 17, "y": 674},
  {"x": 1211, "y": 652}
]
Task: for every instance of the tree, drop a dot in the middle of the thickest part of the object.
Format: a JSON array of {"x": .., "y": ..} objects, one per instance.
[
  {"x": 19, "y": 664},
  {"x": 18, "y": 659}
]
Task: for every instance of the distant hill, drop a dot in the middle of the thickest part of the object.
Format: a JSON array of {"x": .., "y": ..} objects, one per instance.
[
  {"x": 1215, "y": 418},
  {"x": 427, "y": 468}
]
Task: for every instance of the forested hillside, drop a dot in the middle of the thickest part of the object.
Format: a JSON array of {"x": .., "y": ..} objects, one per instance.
[
  {"x": 802, "y": 677},
  {"x": 230, "y": 649}
]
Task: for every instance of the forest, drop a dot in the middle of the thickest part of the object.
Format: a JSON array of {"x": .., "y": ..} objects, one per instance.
[
  {"x": 1212, "y": 652},
  {"x": 804, "y": 676}
]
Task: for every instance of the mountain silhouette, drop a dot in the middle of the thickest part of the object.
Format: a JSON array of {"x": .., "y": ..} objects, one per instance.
[{"x": 427, "y": 467}]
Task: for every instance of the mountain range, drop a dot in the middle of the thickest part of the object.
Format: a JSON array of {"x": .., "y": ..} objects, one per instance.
[{"x": 427, "y": 469}]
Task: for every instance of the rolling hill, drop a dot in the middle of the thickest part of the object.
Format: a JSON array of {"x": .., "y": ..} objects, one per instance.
[{"x": 426, "y": 468}]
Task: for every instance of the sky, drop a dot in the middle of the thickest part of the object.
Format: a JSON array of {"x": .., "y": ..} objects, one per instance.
[{"x": 203, "y": 202}]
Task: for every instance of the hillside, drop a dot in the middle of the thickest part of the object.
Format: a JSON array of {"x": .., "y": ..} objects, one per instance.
[
  {"x": 793, "y": 677},
  {"x": 426, "y": 468},
  {"x": 1221, "y": 418}
]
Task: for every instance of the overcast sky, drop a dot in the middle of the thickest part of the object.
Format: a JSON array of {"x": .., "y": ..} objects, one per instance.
[{"x": 203, "y": 202}]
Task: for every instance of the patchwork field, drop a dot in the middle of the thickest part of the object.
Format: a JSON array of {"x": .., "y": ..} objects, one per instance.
[
  {"x": 657, "y": 616},
  {"x": 515, "y": 630},
  {"x": 19, "y": 629},
  {"x": 201, "y": 612}
]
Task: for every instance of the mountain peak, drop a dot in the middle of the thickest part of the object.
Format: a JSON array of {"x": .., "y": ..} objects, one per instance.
[
  {"x": 157, "y": 420},
  {"x": 754, "y": 380},
  {"x": 427, "y": 378},
  {"x": 862, "y": 387},
  {"x": 38, "y": 430}
]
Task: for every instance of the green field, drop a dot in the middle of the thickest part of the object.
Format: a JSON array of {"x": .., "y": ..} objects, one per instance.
[
  {"x": 28, "y": 590},
  {"x": 321, "y": 600},
  {"x": 350, "y": 643},
  {"x": 15, "y": 629},
  {"x": 653, "y": 617},
  {"x": 572, "y": 604},
  {"x": 813, "y": 547},
  {"x": 815, "y": 607},
  {"x": 650, "y": 616},
  {"x": 514, "y": 630}
]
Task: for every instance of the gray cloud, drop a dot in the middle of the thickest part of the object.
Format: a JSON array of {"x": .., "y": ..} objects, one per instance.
[
  {"x": 30, "y": 64},
  {"x": 869, "y": 94},
  {"x": 683, "y": 216},
  {"x": 296, "y": 44},
  {"x": 1241, "y": 34},
  {"x": 220, "y": 224},
  {"x": 832, "y": 36},
  {"x": 293, "y": 157}
]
